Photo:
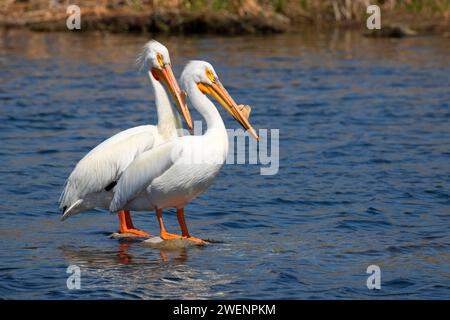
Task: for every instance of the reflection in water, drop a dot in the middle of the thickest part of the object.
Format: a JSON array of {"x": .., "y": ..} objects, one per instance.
[
  {"x": 122, "y": 255},
  {"x": 166, "y": 277}
]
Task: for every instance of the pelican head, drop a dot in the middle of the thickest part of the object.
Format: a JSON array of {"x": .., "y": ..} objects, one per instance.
[
  {"x": 156, "y": 60},
  {"x": 207, "y": 81}
]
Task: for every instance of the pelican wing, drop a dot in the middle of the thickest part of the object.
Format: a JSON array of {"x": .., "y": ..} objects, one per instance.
[
  {"x": 142, "y": 171},
  {"x": 103, "y": 165}
]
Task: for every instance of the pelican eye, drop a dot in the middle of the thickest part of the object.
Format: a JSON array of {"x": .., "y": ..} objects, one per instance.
[
  {"x": 210, "y": 75},
  {"x": 160, "y": 59}
]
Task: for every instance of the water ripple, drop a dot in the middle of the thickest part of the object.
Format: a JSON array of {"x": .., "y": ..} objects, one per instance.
[{"x": 363, "y": 179}]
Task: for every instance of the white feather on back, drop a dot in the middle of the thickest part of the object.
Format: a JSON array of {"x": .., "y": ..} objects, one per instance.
[
  {"x": 106, "y": 162},
  {"x": 142, "y": 171}
]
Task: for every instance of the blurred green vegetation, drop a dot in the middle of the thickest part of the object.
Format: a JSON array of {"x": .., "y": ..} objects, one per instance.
[
  {"x": 215, "y": 5},
  {"x": 253, "y": 15},
  {"x": 433, "y": 6},
  {"x": 328, "y": 9}
]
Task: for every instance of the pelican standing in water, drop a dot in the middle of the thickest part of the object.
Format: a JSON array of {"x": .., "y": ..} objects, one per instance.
[
  {"x": 172, "y": 174},
  {"x": 91, "y": 184}
]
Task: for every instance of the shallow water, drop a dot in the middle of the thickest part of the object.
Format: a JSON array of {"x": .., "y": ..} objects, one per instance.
[{"x": 364, "y": 169}]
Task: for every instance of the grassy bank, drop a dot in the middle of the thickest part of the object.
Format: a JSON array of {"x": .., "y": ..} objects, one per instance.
[{"x": 220, "y": 16}]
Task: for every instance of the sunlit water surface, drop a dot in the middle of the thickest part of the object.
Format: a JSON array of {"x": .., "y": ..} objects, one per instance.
[{"x": 363, "y": 179}]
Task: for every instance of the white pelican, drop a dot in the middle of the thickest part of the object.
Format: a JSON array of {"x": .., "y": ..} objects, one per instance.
[
  {"x": 172, "y": 174},
  {"x": 91, "y": 183}
]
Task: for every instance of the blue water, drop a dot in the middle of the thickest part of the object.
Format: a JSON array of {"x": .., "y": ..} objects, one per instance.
[{"x": 364, "y": 172}]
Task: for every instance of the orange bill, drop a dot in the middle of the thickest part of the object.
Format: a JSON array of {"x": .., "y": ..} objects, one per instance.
[
  {"x": 217, "y": 91},
  {"x": 166, "y": 75}
]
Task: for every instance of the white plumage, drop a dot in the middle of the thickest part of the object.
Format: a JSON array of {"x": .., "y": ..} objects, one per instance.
[
  {"x": 103, "y": 166},
  {"x": 172, "y": 174}
]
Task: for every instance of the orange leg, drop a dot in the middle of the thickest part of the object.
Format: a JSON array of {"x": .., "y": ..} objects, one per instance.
[
  {"x": 184, "y": 229},
  {"x": 126, "y": 224},
  {"x": 128, "y": 220},
  {"x": 164, "y": 234}
]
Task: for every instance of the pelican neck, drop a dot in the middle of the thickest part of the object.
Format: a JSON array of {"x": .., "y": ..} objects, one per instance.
[
  {"x": 207, "y": 109},
  {"x": 168, "y": 119}
]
